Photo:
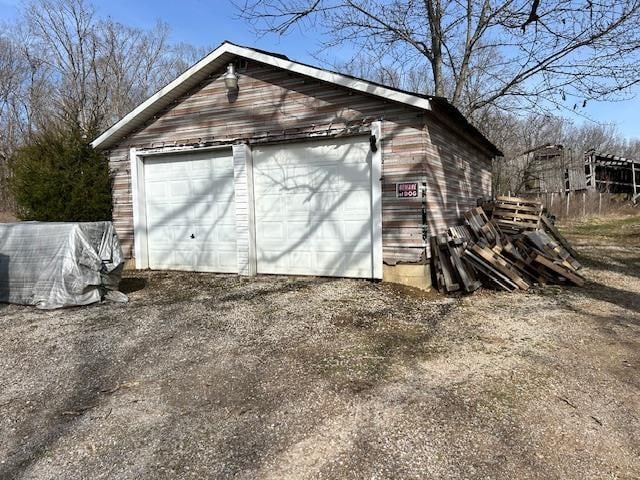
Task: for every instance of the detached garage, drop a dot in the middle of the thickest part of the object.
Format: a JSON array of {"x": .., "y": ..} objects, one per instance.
[{"x": 251, "y": 163}]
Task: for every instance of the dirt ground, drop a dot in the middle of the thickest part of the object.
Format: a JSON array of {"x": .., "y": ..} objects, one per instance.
[{"x": 205, "y": 376}]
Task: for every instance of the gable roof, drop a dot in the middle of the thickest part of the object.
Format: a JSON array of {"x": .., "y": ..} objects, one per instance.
[{"x": 227, "y": 51}]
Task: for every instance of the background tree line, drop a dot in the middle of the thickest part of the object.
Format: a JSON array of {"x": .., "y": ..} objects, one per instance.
[
  {"x": 513, "y": 67},
  {"x": 66, "y": 74}
]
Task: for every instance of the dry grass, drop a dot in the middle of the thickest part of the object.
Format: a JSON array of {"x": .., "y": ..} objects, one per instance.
[
  {"x": 205, "y": 376},
  {"x": 7, "y": 217}
]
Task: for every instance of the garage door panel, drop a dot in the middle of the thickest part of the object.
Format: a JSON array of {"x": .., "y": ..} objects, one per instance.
[
  {"x": 183, "y": 258},
  {"x": 222, "y": 260},
  {"x": 356, "y": 206},
  {"x": 226, "y": 234},
  {"x": 356, "y": 231},
  {"x": 298, "y": 206},
  {"x": 178, "y": 213},
  {"x": 329, "y": 230},
  {"x": 268, "y": 206},
  {"x": 156, "y": 213},
  {"x": 313, "y": 208},
  {"x": 301, "y": 233},
  {"x": 301, "y": 259},
  {"x": 270, "y": 231},
  {"x": 203, "y": 212},
  {"x": 156, "y": 191},
  {"x": 179, "y": 189},
  {"x": 272, "y": 179},
  {"x": 165, "y": 168},
  {"x": 204, "y": 167},
  {"x": 172, "y": 259},
  {"x": 168, "y": 235},
  {"x": 302, "y": 262},
  {"x": 344, "y": 258},
  {"x": 190, "y": 212},
  {"x": 314, "y": 177},
  {"x": 204, "y": 187},
  {"x": 213, "y": 213}
]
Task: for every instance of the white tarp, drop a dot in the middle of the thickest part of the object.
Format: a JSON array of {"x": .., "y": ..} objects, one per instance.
[{"x": 53, "y": 265}]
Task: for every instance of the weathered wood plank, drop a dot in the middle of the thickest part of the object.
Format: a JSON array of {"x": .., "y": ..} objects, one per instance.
[{"x": 415, "y": 144}]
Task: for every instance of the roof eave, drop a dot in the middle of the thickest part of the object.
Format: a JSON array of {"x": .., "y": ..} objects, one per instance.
[{"x": 149, "y": 107}]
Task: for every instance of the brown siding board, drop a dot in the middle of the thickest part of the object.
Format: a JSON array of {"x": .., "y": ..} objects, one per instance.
[{"x": 415, "y": 145}]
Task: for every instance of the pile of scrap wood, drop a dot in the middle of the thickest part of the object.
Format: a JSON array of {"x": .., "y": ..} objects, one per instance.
[{"x": 516, "y": 249}]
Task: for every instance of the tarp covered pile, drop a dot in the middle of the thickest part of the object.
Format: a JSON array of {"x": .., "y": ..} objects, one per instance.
[{"x": 53, "y": 265}]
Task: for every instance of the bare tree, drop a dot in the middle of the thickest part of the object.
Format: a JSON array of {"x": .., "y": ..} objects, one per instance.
[
  {"x": 60, "y": 62},
  {"x": 64, "y": 39},
  {"x": 11, "y": 71},
  {"x": 132, "y": 62},
  {"x": 514, "y": 54},
  {"x": 101, "y": 69}
]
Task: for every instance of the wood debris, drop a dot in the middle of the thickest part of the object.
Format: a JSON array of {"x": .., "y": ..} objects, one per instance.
[{"x": 515, "y": 249}]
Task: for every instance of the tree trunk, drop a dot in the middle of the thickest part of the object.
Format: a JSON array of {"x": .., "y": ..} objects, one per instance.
[{"x": 434, "y": 11}]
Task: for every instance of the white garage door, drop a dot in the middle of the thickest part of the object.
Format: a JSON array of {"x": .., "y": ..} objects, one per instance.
[
  {"x": 190, "y": 212},
  {"x": 313, "y": 208}
]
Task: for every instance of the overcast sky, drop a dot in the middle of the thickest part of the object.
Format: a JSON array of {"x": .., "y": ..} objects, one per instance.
[{"x": 209, "y": 22}]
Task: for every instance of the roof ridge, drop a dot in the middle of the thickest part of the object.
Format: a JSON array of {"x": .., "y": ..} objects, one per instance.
[{"x": 227, "y": 50}]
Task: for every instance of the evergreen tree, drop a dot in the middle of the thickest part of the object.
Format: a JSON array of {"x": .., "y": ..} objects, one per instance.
[{"x": 58, "y": 176}]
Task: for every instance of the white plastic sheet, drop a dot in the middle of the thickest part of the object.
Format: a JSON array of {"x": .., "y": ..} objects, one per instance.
[{"x": 53, "y": 264}]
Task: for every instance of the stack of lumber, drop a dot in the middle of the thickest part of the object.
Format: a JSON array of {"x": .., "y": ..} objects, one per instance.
[{"x": 517, "y": 248}]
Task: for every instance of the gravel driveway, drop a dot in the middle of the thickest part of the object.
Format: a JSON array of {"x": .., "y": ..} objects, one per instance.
[{"x": 205, "y": 376}]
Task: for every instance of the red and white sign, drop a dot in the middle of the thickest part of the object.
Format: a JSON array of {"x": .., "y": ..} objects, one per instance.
[{"x": 407, "y": 190}]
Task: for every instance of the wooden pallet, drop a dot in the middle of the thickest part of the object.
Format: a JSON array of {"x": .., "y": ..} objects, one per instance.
[
  {"x": 443, "y": 268},
  {"x": 550, "y": 248},
  {"x": 561, "y": 270},
  {"x": 514, "y": 215},
  {"x": 499, "y": 263},
  {"x": 546, "y": 263},
  {"x": 456, "y": 247},
  {"x": 487, "y": 206},
  {"x": 452, "y": 272},
  {"x": 491, "y": 275},
  {"x": 481, "y": 227},
  {"x": 462, "y": 232},
  {"x": 550, "y": 228}
]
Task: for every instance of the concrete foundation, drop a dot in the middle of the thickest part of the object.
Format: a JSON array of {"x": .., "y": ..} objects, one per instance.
[{"x": 416, "y": 276}]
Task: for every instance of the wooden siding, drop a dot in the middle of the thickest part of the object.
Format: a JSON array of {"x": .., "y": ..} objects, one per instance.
[{"x": 271, "y": 102}]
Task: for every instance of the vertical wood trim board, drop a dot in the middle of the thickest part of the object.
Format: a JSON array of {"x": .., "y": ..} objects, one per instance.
[
  {"x": 245, "y": 225},
  {"x": 376, "y": 201},
  {"x": 253, "y": 255},
  {"x": 139, "y": 210}
]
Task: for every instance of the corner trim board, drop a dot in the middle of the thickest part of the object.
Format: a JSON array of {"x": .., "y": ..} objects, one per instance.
[
  {"x": 140, "y": 245},
  {"x": 376, "y": 202}
]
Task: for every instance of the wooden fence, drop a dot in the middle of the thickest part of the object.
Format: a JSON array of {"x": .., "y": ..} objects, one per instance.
[{"x": 579, "y": 204}]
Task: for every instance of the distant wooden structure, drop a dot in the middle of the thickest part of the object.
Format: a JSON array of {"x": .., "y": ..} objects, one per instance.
[
  {"x": 552, "y": 169},
  {"x": 612, "y": 174}
]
